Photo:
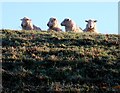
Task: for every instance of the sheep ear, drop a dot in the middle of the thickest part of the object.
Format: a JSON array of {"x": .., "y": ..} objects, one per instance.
[
  {"x": 86, "y": 21},
  {"x": 30, "y": 19},
  {"x": 67, "y": 19},
  {"x": 95, "y": 20},
  {"x": 21, "y": 19},
  {"x": 54, "y": 19}
]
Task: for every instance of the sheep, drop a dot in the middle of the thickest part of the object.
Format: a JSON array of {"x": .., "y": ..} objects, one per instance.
[
  {"x": 53, "y": 24},
  {"x": 70, "y": 25},
  {"x": 91, "y": 26},
  {"x": 27, "y": 24}
]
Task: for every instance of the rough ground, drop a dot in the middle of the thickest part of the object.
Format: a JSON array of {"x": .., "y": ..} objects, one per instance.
[{"x": 52, "y": 62}]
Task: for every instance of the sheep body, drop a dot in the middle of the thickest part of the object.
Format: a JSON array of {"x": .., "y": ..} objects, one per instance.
[
  {"x": 28, "y": 25},
  {"x": 53, "y": 24},
  {"x": 91, "y": 26},
  {"x": 70, "y": 25}
]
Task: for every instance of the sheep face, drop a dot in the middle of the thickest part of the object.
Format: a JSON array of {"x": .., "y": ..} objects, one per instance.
[
  {"x": 91, "y": 23},
  {"x": 53, "y": 22},
  {"x": 25, "y": 22},
  {"x": 67, "y": 22}
]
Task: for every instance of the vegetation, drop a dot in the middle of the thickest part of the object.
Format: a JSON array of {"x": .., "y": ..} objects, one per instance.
[{"x": 60, "y": 62}]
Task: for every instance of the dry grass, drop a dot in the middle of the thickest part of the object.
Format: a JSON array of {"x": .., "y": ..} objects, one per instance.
[{"x": 47, "y": 62}]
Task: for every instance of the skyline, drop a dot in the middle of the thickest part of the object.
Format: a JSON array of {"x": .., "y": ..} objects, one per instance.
[{"x": 103, "y": 12}]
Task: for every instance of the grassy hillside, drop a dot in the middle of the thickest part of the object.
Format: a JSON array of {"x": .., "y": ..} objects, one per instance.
[{"x": 48, "y": 62}]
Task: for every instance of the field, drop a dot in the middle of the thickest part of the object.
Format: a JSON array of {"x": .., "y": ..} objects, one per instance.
[{"x": 60, "y": 62}]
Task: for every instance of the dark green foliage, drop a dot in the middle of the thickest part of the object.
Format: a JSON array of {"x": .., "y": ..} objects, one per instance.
[{"x": 48, "y": 62}]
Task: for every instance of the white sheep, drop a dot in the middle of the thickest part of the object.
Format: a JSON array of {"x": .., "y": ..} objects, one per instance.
[
  {"x": 70, "y": 25},
  {"x": 91, "y": 26},
  {"x": 53, "y": 24},
  {"x": 27, "y": 24}
]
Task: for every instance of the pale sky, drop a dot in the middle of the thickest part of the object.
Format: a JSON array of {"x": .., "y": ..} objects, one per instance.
[{"x": 106, "y": 14}]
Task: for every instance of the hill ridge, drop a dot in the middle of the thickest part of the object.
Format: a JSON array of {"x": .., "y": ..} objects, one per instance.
[{"x": 52, "y": 61}]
